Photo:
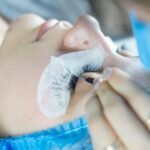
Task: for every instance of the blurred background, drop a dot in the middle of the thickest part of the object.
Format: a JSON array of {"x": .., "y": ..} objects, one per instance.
[{"x": 113, "y": 20}]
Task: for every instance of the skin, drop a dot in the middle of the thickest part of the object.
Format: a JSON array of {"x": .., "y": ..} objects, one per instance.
[
  {"x": 22, "y": 60},
  {"x": 107, "y": 111},
  {"x": 116, "y": 113},
  {"x": 119, "y": 111},
  {"x": 87, "y": 34}
]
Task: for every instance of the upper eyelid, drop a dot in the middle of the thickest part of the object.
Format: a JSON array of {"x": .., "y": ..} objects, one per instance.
[
  {"x": 88, "y": 68},
  {"x": 73, "y": 81}
]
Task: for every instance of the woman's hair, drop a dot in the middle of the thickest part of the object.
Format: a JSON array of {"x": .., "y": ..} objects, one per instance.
[{"x": 145, "y": 3}]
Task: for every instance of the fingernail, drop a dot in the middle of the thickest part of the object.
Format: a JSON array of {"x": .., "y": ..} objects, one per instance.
[
  {"x": 107, "y": 73},
  {"x": 97, "y": 84}
]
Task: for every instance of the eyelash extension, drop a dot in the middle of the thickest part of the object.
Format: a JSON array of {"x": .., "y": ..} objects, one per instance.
[
  {"x": 73, "y": 82},
  {"x": 60, "y": 77},
  {"x": 88, "y": 68},
  {"x": 74, "y": 79}
]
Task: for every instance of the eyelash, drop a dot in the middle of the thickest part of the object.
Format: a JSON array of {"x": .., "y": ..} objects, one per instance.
[
  {"x": 88, "y": 68},
  {"x": 74, "y": 79},
  {"x": 73, "y": 82}
]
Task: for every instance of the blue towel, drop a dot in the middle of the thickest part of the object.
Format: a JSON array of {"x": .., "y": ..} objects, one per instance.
[{"x": 69, "y": 136}]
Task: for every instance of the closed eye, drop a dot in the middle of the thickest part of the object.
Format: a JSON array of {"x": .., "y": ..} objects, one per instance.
[{"x": 74, "y": 79}]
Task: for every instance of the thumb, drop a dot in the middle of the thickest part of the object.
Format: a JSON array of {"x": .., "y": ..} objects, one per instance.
[{"x": 122, "y": 83}]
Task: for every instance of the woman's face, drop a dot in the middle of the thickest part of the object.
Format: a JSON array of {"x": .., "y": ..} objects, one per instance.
[{"x": 24, "y": 54}]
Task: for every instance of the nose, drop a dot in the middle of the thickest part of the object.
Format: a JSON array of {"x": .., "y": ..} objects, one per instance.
[{"x": 86, "y": 34}]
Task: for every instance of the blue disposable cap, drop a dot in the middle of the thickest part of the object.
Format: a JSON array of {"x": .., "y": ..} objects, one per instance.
[{"x": 141, "y": 31}]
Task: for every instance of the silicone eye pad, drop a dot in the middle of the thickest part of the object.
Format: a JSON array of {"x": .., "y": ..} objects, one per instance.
[{"x": 54, "y": 90}]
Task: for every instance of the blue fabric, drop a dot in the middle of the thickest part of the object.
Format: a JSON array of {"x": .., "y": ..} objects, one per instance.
[
  {"x": 142, "y": 34},
  {"x": 69, "y": 136},
  {"x": 60, "y": 9}
]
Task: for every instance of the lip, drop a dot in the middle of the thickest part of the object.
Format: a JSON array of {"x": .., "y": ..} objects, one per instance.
[{"x": 45, "y": 27}]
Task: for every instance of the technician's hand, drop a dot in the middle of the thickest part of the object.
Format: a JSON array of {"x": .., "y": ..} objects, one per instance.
[{"x": 119, "y": 115}]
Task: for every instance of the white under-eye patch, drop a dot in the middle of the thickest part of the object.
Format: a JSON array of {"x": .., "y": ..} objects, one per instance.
[{"x": 54, "y": 90}]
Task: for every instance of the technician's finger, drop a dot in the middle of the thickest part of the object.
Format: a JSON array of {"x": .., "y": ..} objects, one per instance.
[
  {"x": 79, "y": 98},
  {"x": 125, "y": 123},
  {"x": 100, "y": 130},
  {"x": 135, "y": 96}
]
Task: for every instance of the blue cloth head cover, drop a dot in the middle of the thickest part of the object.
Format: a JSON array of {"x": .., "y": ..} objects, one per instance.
[
  {"x": 141, "y": 31},
  {"x": 69, "y": 136}
]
